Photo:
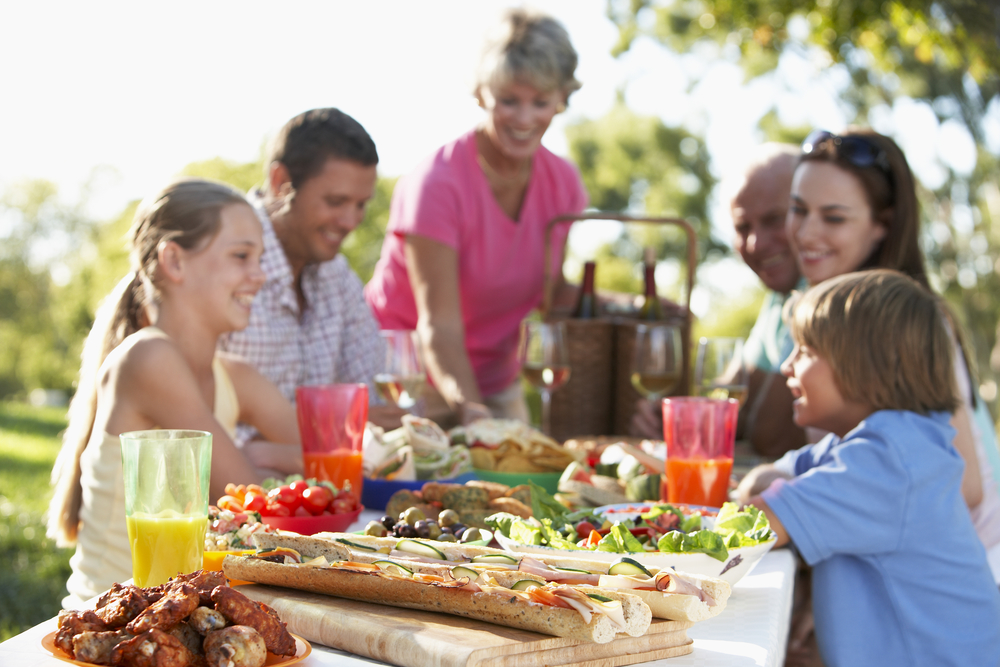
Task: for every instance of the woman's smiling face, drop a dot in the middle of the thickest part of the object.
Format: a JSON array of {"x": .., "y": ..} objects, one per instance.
[{"x": 830, "y": 224}]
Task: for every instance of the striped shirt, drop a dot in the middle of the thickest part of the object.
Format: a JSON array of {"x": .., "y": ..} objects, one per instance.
[{"x": 334, "y": 340}]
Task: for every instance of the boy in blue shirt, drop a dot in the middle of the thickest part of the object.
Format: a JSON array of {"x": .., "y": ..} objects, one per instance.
[{"x": 899, "y": 574}]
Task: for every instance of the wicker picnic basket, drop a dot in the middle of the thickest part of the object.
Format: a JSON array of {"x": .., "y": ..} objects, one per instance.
[{"x": 599, "y": 399}]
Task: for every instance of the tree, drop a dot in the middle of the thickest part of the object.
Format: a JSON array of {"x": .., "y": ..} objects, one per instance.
[
  {"x": 944, "y": 54},
  {"x": 637, "y": 165}
]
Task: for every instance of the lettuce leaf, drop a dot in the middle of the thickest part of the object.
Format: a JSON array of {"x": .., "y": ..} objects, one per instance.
[
  {"x": 554, "y": 538},
  {"x": 544, "y": 506},
  {"x": 620, "y": 541},
  {"x": 702, "y": 541},
  {"x": 742, "y": 528},
  {"x": 525, "y": 533}
]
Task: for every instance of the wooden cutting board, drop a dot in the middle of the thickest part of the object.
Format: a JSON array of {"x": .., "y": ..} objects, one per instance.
[{"x": 411, "y": 638}]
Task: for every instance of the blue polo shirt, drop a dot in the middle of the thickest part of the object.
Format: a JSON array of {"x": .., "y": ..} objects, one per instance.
[{"x": 899, "y": 574}]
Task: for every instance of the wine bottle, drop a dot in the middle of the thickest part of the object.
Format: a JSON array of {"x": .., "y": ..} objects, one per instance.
[
  {"x": 650, "y": 308},
  {"x": 586, "y": 305}
]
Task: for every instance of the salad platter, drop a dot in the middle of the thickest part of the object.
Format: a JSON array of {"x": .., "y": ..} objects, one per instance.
[{"x": 725, "y": 543}]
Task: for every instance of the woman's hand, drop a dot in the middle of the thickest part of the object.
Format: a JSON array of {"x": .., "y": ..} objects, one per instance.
[{"x": 647, "y": 421}]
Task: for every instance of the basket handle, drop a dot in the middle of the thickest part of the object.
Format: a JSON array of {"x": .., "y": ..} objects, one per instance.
[{"x": 692, "y": 251}]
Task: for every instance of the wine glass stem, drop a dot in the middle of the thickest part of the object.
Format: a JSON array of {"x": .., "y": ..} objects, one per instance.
[{"x": 546, "y": 408}]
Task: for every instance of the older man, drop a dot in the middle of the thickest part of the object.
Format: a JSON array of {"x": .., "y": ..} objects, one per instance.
[
  {"x": 310, "y": 324},
  {"x": 759, "y": 208}
]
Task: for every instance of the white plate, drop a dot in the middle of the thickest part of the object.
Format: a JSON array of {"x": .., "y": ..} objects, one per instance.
[{"x": 737, "y": 565}]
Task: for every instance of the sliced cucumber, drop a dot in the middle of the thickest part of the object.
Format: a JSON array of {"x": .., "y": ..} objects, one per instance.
[
  {"x": 629, "y": 566},
  {"x": 460, "y": 571},
  {"x": 394, "y": 568},
  {"x": 599, "y": 598},
  {"x": 570, "y": 569},
  {"x": 504, "y": 559},
  {"x": 420, "y": 548},
  {"x": 524, "y": 584},
  {"x": 355, "y": 545}
]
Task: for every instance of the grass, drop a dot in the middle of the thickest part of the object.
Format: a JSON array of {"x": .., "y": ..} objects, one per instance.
[{"x": 33, "y": 571}]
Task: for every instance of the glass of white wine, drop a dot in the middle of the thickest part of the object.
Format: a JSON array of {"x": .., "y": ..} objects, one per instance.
[
  {"x": 544, "y": 361},
  {"x": 719, "y": 370},
  {"x": 403, "y": 376},
  {"x": 657, "y": 362}
]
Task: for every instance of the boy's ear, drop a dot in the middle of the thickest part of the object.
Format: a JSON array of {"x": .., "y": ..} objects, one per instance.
[{"x": 170, "y": 261}]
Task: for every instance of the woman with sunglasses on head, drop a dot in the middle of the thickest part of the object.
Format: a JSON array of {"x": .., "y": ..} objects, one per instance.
[{"x": 854, "y": 207}]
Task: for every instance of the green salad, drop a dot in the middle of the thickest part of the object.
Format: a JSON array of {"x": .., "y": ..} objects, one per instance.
[{"x": 660, "y": 528}]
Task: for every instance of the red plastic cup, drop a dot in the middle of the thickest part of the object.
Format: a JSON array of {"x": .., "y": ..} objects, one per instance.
[
  {"x": 332, "y": 422},
  {"x": 700, "y": 434}
]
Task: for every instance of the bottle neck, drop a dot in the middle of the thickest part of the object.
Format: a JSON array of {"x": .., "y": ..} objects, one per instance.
[
  {"x": 650, "y": 279},
  {"x": 588, "y": 278}
]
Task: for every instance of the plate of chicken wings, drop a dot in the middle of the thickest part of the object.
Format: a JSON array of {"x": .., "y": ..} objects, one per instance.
[{"x": 193, "y": 619}]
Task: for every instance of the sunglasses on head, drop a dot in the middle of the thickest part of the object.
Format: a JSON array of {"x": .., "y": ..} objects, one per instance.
[{"x": 859, "y": 151}]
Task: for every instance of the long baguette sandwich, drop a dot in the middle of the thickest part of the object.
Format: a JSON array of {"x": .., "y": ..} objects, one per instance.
[
  {"x": 560, "y": 610},
  {"x": 669, "y": 594}
]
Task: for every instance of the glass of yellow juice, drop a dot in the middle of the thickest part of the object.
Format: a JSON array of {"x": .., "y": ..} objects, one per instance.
[{"x": 166, "y": 475}]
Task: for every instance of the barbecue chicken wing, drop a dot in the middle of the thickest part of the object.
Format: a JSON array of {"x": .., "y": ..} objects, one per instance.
[
  {"x": 168, "y": 611},
  {"x": 120, "y": 605},
  {"x": 96, "y": 647},
  {"x": 154, "y": 648},
  {"x": 72, "y": 623},
  {"x": 235, "y": 646},
  {"x": 241, "y": 610},
  {"x": 206, "y": 619}
]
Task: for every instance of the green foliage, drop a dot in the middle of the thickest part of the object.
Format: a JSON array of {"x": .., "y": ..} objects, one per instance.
[
  {"x": 244, "y": 176},
  {"x": 33, "y": 578}
]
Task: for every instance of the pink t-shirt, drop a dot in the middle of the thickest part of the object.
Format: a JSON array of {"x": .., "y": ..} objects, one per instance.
[{"x": 500, "y": 262}]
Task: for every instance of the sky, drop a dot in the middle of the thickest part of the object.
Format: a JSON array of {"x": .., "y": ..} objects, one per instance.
[{"x": 123, "y": 95}]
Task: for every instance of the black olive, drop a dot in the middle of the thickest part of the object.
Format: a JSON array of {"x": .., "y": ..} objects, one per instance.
[
  {"x": 422, "y": 528},
  {"x": 459, "y": 533},
  {"x": 388, "y": 522},
  {"x": 406, "y": 530}
]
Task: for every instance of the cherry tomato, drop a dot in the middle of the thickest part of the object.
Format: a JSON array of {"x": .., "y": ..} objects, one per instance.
[
  {"x": 343, "y": 505},
  {"x": 283, "y": 495},
  {"x": 274, "y": 509},
  {"x": 301, "y": 511},
  {"x": 584, "y": 528},
  {"x": 299, "y": 486},
  {"x": 316, "y": 499},
  {"x": 230, "y": 503},
  {"x": 254, "y": 502}
]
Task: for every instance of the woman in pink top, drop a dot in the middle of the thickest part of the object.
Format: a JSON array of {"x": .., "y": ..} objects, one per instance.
[{"x": 462, "y": 262}]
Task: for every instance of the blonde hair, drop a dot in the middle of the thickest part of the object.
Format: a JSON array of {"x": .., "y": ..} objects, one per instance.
[
  {"x": 532, "y": 47},
  {"x": 884, "y": 336},
  {"x": 186, "y": 212}
]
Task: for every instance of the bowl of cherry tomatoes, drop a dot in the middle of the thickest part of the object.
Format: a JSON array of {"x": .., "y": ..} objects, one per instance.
[{"x": 304, "y": 506}]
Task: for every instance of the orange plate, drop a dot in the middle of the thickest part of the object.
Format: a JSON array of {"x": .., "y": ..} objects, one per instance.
[
  {"x": 213, "y": 561},
  {"x": 302, "y": 649}
]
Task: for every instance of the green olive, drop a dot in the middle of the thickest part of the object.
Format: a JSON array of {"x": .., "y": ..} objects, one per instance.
[
  {"x": 433, "y": 530},
  {"x": 471, "y": 535},
  {"x": 448, "y": 518},
  {"x": 446, "y": 537},
  {"x": 376, "y": 529},
  {"x": 412, "y": 516}
]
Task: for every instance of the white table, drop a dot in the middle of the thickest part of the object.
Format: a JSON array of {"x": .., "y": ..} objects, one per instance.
[{"x": 752, "y": 630}]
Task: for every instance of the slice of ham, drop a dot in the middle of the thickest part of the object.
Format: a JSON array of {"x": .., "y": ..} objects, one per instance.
[
  {"x": 669, "y": 581},
  {"x": 533, "y": 566},
  {"x": 666, "y": 581}
]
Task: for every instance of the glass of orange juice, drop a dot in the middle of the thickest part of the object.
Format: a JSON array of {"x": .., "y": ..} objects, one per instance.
[
  {"x": 332, "y": 422},
  {"x": 700, "y": 434},
  {"x": 166, "y": 475}
]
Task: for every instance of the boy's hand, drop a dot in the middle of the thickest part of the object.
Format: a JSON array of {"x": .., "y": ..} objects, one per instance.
[
  {"x": 772, "y": 518},
  {"x": 756, "y": 481}
]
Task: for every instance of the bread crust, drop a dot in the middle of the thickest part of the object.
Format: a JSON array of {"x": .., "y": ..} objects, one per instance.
[{"x": 490, "y": 606}]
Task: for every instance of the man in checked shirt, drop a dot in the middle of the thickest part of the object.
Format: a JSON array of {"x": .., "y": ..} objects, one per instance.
[{"x": 309, "y": 323}]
